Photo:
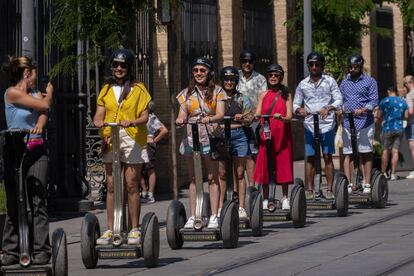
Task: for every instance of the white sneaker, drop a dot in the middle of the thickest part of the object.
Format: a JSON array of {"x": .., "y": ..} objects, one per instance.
[
  {"x": 242, "y": 213},
  {"x": 219, "y": 212},
  {"x": 410, "y": 176},
  {"x": 393, "y": 177},
  {"x": 265, "y": 203},
  {"x": 213, "y": 222},
  {"x": 412, "y": 173},
  {"x": 285, "y": 204},
  {"x": 367, "y": 188},
  {"x": 190, "y": 223},
  {"x": 106, "y": 238},
  {"x": 350, "y": 188}
]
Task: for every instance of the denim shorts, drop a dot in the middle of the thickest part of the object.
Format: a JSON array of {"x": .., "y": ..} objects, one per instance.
[
  {"x": 239, "y": 143},
  {"x": 327, "y": 141},
  {"x": 409, "y": 132}
]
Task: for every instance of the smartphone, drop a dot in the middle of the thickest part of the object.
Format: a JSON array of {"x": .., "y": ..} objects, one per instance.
[{"x": 42, "y": 84}]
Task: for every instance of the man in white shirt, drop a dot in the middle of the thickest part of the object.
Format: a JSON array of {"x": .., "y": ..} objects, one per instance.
[
  {"x": 251, "y": 84},
  {"x": 318, "y": 93}
]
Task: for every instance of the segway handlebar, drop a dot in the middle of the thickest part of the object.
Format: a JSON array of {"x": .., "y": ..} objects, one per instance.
[{"x": 15, "y": 130}]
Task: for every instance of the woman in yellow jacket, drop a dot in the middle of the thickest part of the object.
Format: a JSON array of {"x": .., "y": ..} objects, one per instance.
[{"x": 124, "y": 101}]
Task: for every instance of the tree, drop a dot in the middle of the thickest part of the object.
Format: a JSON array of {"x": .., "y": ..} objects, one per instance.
[
  {"x": 336, "y": 30},
  {"x": 105, "y": 24}
]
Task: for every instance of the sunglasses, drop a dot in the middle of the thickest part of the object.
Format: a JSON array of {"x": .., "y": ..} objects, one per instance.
[
  {"x": 116, "y": 64},
  {"x": 201, "y": 70},
  {"x": 270, "y": 75},
  {"x": 232, "y": 80},
  {"x": 250, "y": 61},
  {"x": 312, "y": 64},
  {"x": 354, "y": 66}
]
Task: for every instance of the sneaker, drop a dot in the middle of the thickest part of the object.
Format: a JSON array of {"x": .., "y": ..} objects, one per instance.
[
  {"x": 329, "y": 195},
  {"x": 386, "y": 175},
  {"x": 134, "y": 236},
  {"x": 9, "y": 259},
  {"x": 106, "y": 238},
  {"x": 350, "y": 188},
  {"x": 309, "y": 195},
  {"x": 367, "y": 188},
  {"x": 410, "y": 176},
  {"x": 285, "y": 204},
  {"x": 242, "y": 213},
  {"x": 213, "y": 222},
  {"x": 143, "y": 198},
  {"x": 394, "y": 177},
  {"x": 41, "y": 258},
  {"x": 265, "y": 203},
  {"x": 412, "y": 173},
  {"x": 150, "y": 199},
  {"x": 190, "y": 223}
]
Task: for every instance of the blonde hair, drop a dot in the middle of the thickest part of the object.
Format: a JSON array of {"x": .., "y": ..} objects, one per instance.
[{"x": 15, "y": 67}]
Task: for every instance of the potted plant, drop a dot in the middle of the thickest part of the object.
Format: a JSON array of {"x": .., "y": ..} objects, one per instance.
[{"x": 378, "y": 149}]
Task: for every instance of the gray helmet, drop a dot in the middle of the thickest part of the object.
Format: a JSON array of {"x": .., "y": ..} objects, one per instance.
[
  {"x": 229, "y": 71},
  {"x": 275, "y": 68},
  {"x": 247, "y": 54},
  {"x": 356, "y": 59},
  {"x": 123, "y": 55},
  {"x": 315, "y": 57},
  {"x": 205, "y": 62}
]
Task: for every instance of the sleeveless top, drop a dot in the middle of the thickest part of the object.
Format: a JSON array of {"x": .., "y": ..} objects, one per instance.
[{"x": 21, "y": 117}]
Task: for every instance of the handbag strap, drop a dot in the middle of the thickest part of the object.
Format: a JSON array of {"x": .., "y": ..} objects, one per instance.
[{"x": 273, "y": 103}]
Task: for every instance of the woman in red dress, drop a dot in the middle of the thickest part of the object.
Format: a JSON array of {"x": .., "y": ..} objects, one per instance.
[{"x": 281, "y": 134}]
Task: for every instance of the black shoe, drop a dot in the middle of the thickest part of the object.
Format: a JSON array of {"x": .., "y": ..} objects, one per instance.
[
  {"x": 41, "y": 258},
  {"x": 9, "y": 260}
]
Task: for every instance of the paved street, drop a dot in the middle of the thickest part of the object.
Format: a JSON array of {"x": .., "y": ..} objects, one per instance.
[{"x": 367, "y": 242}]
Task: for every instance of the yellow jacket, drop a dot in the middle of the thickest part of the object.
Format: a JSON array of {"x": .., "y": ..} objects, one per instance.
[{"x": 129, "y": 110}]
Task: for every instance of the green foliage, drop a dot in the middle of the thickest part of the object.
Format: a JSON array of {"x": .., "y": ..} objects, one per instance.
[
  {"x": 407, "y": 10},
  {"x": 104, "y": 23},
  {"x": 336, "y": 30}
]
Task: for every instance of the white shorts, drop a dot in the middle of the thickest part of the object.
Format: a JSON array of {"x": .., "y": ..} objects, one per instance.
[
  {"x": 131, "y": 152},
  {"x": 364, "y": 139}
]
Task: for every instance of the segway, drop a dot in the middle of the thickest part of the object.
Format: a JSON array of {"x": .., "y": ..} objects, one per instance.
[
  {"x": 228, "y": 230},
  {"x": 17, "y": 139},
  {"x": 379, "y": 184},
  {"x": 297, "y": 212},
  {"x": 340, "y": 182},
  {"x": 253, "y": 202},
  {"x": 149, "y": 246}
]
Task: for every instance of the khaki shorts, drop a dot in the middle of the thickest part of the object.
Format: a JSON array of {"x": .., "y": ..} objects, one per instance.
[{"x": 131, "y": 152}]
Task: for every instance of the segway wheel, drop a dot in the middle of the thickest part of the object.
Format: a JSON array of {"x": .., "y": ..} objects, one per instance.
[
  {"x": 59, "y": 253},
  {"x": 150, "y": 232},
  {"x": 341, "y": 194},
  {"x": 176, "y": 218},
  {"x": 379, "y": 192},
  {"x": 90, "y": 232},
  {"x": 230, "y": 225},
  {"x": 256, "y": 214},
  {"x": 206, "y": 210},
  {"x": 248, "y": 198},
  {"x": 298, "y": 205},
  {"x": 299, "y": 182}
]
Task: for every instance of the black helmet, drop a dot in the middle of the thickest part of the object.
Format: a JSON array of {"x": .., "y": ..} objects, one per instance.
[
  {"x": 356, "y": 59},
  {"x": 247, "y": 54},
  {"x": 205, "y": 62},
  {"x": 315, "y": 57},
  {"x": 229, "y": 71},
  {"x": 275, "y": 68},
  {"x": 123, "y": 55}
]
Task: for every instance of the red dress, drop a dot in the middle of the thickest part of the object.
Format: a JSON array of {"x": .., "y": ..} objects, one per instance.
[{"x": 281, "y": 134}]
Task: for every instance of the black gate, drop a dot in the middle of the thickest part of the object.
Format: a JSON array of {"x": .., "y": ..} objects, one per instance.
[
  {"x": 258, "y": 31},
  {"x": 198, "y": 34}
]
